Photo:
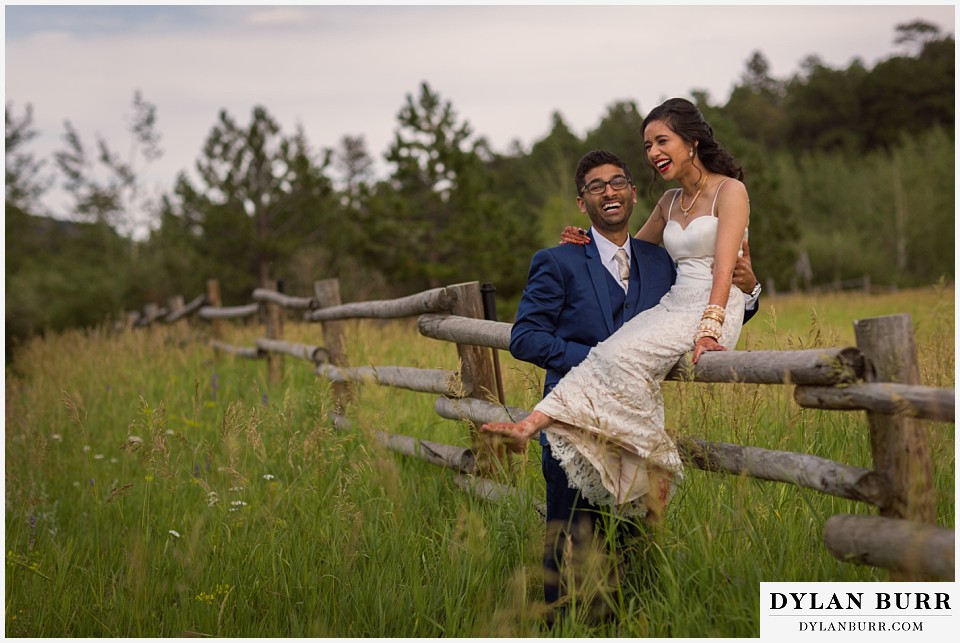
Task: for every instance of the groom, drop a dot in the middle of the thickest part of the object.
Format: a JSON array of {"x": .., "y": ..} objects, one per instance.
[{"x": 577, "y": 296}]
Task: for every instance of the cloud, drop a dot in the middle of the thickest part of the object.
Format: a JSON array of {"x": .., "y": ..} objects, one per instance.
[
  {"x": 278, "y": 16},
  {"x": 341, "y": 70}
]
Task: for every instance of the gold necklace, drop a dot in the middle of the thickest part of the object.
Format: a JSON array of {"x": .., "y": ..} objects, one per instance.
[{"x": 686, "y": 211}]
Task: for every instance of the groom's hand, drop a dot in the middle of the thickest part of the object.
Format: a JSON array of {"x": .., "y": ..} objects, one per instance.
[{"x": 743, "y": 277}]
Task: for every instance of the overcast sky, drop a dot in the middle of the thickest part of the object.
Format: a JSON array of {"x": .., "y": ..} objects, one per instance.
[{"x": 340, "y": 70}]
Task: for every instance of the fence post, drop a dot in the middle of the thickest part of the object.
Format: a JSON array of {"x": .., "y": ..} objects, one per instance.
[
  {"x": 488, "y": 292},
  {"x": 898, "y": 443},
  {"x": 175, "y": 304},
  {"x": 273, "y": 323},
  {"x": 131, "y": 320},
  {"x": 476, "y": 370},
  {"x": 150, "y": 313},
  {"x": 213, "y": 298},
  {"x": 327, "y": 294}
]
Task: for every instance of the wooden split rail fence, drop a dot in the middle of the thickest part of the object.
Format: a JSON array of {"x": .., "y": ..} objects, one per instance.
[{"x": 879, "y": 375}]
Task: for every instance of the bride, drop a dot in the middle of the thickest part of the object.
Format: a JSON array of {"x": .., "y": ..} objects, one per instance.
[{"x": 604, "y": 419}]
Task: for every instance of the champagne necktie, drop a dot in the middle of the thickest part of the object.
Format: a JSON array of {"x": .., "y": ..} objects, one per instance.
[{"x": 624, "y": 263}]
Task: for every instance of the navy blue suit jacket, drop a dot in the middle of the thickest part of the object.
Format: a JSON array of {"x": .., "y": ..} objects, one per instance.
[{"x": 565, "y": 309}]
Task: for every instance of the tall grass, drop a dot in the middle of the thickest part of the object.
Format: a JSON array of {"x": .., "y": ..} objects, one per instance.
[{"x": 156, "y": 489}]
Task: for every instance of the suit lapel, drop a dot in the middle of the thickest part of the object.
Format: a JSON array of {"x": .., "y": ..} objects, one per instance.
[
  {"x": 636, "y": 281},
  {"x": 598, "y": 275}
]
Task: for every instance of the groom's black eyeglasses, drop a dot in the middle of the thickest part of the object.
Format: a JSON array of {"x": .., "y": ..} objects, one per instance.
[{"x": 598, "y": 186}]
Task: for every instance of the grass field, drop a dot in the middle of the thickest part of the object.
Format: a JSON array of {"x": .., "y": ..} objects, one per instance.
[{"x": 156, "y": 489}]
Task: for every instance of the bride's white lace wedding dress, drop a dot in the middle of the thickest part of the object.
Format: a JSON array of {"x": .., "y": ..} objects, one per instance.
[{"x": 608, "y": 428}]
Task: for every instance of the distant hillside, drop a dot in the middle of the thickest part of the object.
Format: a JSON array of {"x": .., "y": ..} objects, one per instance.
[{"x": 59, "y": 274}]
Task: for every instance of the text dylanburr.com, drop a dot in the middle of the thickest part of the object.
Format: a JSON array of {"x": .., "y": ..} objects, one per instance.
[{"x": 852, "y": 610}]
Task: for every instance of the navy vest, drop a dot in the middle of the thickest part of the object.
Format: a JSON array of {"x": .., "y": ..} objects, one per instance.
[{"x": 617, "y": 298}]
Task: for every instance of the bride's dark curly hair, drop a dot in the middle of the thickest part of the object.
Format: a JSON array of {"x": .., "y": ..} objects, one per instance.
[{"x": 683, "y": 118}]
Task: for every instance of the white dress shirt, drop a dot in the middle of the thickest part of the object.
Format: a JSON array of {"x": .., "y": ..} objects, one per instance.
[{"x": 607, "y": 249}]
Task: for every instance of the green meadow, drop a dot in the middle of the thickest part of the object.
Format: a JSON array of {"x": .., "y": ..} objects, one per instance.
[{"x": 156, "y": 488}]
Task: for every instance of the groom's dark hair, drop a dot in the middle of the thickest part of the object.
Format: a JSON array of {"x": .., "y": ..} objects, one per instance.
[{"x": 596, "y": 158}]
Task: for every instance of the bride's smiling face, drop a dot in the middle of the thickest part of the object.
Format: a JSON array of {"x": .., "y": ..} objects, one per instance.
[{"x": 666, "y": 151}]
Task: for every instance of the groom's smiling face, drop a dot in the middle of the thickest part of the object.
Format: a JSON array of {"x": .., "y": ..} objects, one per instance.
[{"x": 610, "y": 210}]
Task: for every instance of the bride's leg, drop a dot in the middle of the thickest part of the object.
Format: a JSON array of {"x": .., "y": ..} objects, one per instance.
[{"x": 659, "y": 493}]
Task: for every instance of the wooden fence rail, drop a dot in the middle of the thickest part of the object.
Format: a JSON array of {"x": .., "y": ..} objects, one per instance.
[
  {"x": 901, "y": 545},
  {"x": 907, "y": 400},
  {"x": 436, "y": 300},
  {"x": 878, "y": 376},
  {"x": 234, "y": 312},
  {"x": 285, "y": 301},
  {"x": 414, "y": 379},
  {"x": 315, "y": 354},
  {"x": 182, "y": 311}
]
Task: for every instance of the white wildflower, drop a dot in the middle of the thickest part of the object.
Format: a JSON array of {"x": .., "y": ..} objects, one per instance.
[
  {"x": 174, "y": 533},
  {"x": 56, "y": 437},
  {"x": 212, "y": 498},
  {"x": 268, "y": 476},
  {"x": 238, "y": 503},
  {"x": 86, "y": 448},
  {"x": 98, "y": 456},
  {"x": 134, "y": 439}
]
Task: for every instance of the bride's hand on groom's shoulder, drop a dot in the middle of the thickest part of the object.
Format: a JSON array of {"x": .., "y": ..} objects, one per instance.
[{"x": 573, "y": 234}]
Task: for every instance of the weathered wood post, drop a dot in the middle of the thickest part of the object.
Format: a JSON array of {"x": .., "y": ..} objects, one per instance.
[
  {"x": 150, "y": 313},
  {"x": 273, "y": 323},
  {"x": 488, "y": 292},
  {"x": 213, "y": 299},
  {"x": 476, "y": 371},
  {"x": 898, "y": 443},
  {"x": 327, "y": 294},
  {"x": 175, "y": 304}
]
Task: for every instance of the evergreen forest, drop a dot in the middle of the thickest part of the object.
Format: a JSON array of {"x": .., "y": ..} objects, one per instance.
[{"x": 850, "y": 171}]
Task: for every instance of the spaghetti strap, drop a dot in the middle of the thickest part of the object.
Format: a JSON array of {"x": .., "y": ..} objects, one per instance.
[
  {"x": 676, "y": 191},
  {"x": 713, "y": 206},
  {"x": 713, "y": 213}
]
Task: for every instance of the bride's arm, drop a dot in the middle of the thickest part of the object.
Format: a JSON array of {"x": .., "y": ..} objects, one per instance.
[
  {"x": 652, "y": 229},
  {"x": 733, "y": 211}
]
